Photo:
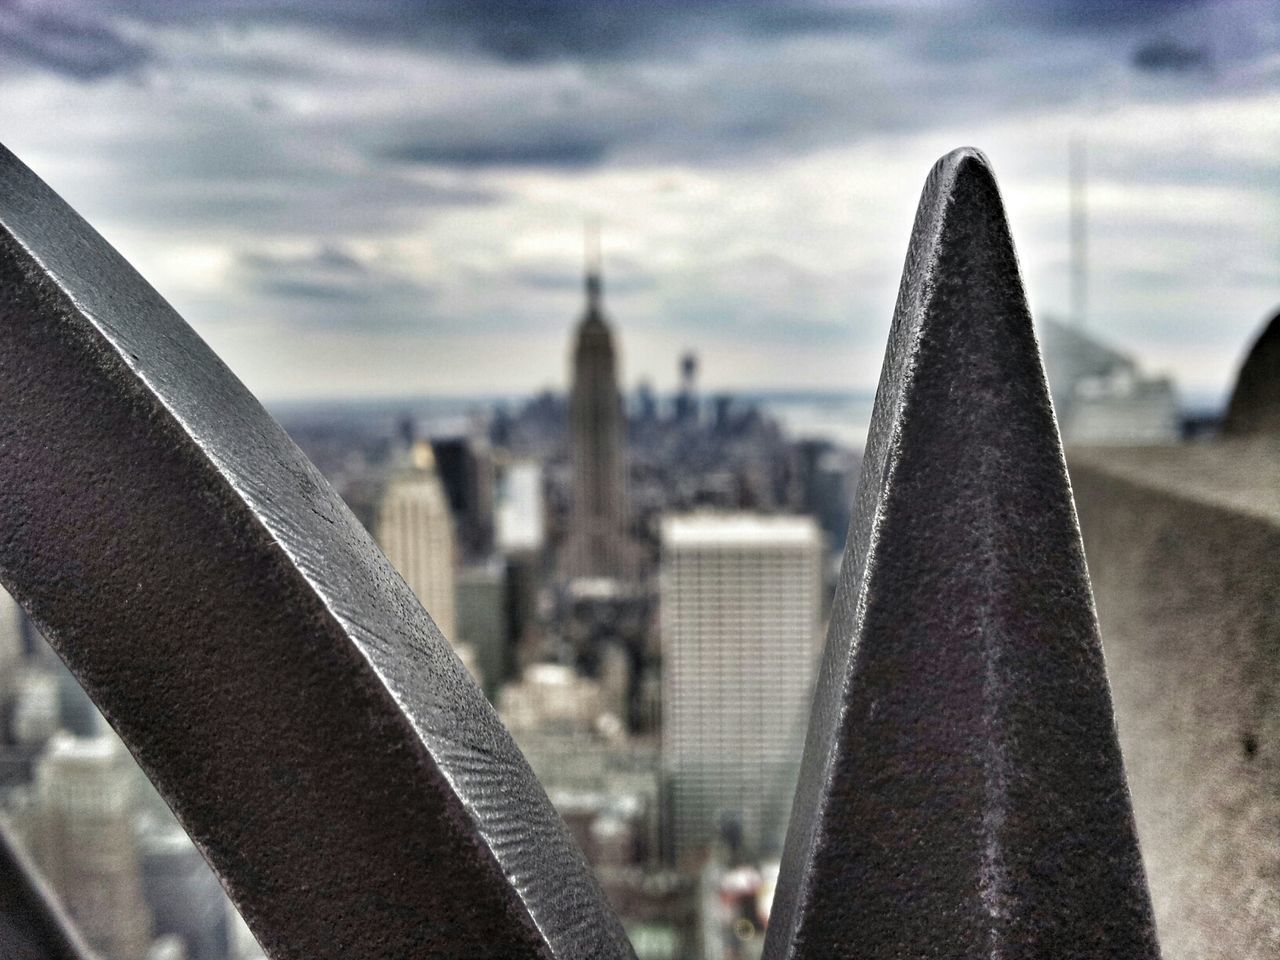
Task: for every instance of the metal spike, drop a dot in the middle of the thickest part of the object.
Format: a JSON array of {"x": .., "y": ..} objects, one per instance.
[
  {"x": 32, "y": 923},
  {"x": 962, "y": 793},
  {"x": 273, "y": 675},
  {"x": 1254, "y": 409}
]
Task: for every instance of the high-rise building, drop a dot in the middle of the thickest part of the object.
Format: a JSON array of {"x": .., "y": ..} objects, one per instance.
[
  {"x": 484, "y": 622},
  {"x": 521, "y": 517},
  {"x": 1100, "y": 395},
  {"x": 36, "y": 706},
  {"x": 740, "y": 600},
  {"x": 687, "y": 407},
  {"x": 598, "y": 545},
  {"x": 81, "y": 834},
  {"x": 464, "y": 463},
  {"x": 415, "y": 531}
]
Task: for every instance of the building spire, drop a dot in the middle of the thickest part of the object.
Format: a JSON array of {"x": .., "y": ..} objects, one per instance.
[
  {"x": 1079, "y": 224},
  {"x": 591, "y": 240}
]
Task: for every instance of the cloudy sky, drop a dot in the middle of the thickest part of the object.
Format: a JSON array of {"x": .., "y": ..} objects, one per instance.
[{"x": 357, "y": 198}]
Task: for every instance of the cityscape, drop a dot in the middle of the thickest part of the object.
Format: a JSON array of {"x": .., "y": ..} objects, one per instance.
[
  {"x": 580, "y": 307},
  {"x": 638, "y": 584}
]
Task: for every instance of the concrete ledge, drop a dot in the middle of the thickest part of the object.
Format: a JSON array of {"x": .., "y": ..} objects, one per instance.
[{"x": 1183, "y": 545}]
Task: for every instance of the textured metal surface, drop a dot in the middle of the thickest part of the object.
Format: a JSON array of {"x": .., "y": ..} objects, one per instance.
[
  {"x": 272, "y": 674},
  {"x": 962, "y": 793},
  {"x": 1255, "y": 403},
  {"x": 32, "y": 924}
]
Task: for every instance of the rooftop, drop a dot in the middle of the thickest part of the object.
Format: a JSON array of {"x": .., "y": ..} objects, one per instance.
[{"x": 707, "y": 529}]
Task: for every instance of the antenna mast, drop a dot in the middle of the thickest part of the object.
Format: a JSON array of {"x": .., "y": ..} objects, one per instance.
[
  {"x": 1076, "y": 173},
  {"x": 591, "y": 253}
]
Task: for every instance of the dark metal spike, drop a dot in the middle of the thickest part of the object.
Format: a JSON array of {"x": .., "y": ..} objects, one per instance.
[
  {"x": 33, "y": 925},
  {"x": 276, "y": 679},
  {"x": 1254, "y": 409},
  {"x": 962, "y": 793}
]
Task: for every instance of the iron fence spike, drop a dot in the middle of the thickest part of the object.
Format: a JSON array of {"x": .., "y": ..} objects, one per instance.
[
  {"x": 962, "y": 792},
  {"x": 272, "y": 674}
]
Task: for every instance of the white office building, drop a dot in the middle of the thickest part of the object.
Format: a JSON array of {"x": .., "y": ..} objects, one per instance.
[
  {"x": 521, "y": 517},
  {"x": 741, "y": 598},
  {"x": 81, "y": 834},
  {"x": 415, "y": 531}
]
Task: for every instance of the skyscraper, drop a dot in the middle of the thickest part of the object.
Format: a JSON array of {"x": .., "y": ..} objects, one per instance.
[
  {"x": 687, "y": 398},
  {"x": 598, "y": 545},
  {"x": 415, "y": 531},
  {"x": 464, "y": 463},
  {"x": 11, "y": 647},
  {"x": 740, "y": 598},
  {"x": 83, "y": 839}
]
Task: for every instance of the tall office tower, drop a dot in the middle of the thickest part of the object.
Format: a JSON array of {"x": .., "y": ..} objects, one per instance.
[
  {"x": 687, "y": 398},
  {"x": 598, "y": 545},
  {"x": 740, "y": 598},
  {"x": 464, "y": 463},
  {"x": 484, "y": 624},
  {"x": 415, "y": 531},
  {"x": 82, "y": 836}
]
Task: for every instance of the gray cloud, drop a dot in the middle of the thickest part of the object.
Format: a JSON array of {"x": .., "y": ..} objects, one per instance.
[
  {"x": 407, "y": 170},
  {"x": 75, "y": 43},
  {"x": 319, "y": 289},
  {"x": 90, "y": 44},
  {"x": 543, "y": 148},
  {"x": 1169, "y": 56}
]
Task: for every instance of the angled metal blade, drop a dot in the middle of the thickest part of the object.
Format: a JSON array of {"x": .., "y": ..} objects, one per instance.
[
  {"x": 32, "y": 924},
  {"x": 273, "y": 675},
  {"x": 962, "y": 793}
]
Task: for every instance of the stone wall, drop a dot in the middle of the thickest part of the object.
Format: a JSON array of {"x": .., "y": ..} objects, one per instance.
[{"x": 1183, "y": 545}]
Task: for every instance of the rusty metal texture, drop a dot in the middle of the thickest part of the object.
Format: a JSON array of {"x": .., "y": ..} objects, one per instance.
[
  {"x": 274, "y": 677},
  {"x": 962, "y": 793},
  {"x": 32, "y": 923}
]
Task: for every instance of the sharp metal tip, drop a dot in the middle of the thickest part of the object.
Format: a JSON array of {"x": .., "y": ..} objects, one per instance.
[{"x": 962, "y": 787}]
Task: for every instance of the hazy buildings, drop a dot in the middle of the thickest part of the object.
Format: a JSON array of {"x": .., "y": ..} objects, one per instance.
[
  {"x": 597, "y": 545},
  {"x": 36, "y": 706},
  {"x": 740, "y": 596},
  {"x": 602, "y": 781},
  {"x": 484, "y": 621},
  {"x": 11, "y": 646},
  {"x": 186, "y": 900},
  {"x": 1099, "y": 394},
  {"x": 80, "y": 831},
  {"x": 415, "y": 531},
  {"x": 521, "y": 517}
]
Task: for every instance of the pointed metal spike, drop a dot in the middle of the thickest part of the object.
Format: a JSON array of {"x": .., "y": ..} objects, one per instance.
[
  {"x": 962, "y": 793},
  {"x": 273, "y": 675},
  {"x": 32, "y": 923}
]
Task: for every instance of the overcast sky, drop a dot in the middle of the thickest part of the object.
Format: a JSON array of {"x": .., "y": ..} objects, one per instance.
[{"x": 355, "y": 198}]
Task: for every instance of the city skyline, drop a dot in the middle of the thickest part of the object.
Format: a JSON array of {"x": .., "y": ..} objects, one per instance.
[
  {"x": 348, "y": 201},
  {"x": 320, "y": 738}
]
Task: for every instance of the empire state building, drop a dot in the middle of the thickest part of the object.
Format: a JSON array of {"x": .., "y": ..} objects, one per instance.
[{"x": 598, "y": 545}]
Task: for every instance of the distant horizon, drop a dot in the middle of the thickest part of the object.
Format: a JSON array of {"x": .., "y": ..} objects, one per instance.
[{"x": 1189, "y": 400}]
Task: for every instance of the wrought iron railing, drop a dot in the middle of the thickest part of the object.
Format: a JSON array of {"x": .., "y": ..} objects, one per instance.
[{"x": 962, "y": 791}]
